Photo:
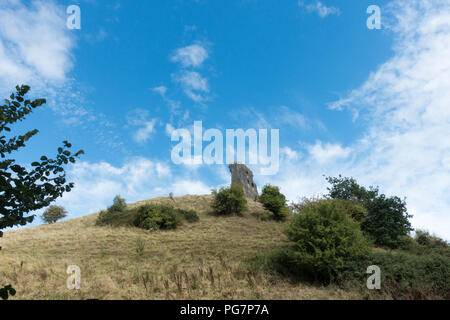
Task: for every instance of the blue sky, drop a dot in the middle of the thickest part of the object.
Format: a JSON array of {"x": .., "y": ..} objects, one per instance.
[{"x": 372, "y": 104}]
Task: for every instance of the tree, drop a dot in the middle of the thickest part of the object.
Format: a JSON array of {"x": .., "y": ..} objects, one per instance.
[
  {"x": 274, "y": 201},
  {"x": 119, "y": 204},
  {"x": 229, "y": 201},
  {"x": 325, "y": 238},
  {"x": 387, "y": 218},
  {"x": 24, "y": 190},
  {"x": 53, "y": 214}
]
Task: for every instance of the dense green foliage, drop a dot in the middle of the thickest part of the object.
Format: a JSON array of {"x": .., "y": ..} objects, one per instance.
[
  {"x": 325, "y": 236},
  {"x": 274, "y": 201},
  {"x": 149, "y": 216},
  {"x": 155, "y": 217},
  {"x": 229, "y": 201},
  {"x": 353, "y": 209},
  {"x": 329, "y": 246},
  {"x": 418, "y": 274},
  {"x": 404, "y": 275},
  {"x": 53, "y": 214},
  {"x": 24, "y": 190},
  {"x": 188, "y": 215},
  {"x": 387, "y": 219},
  {"x": 424, "y": 238},
  {"x": 116, "y": 214},
  {"x": 119, "y": 204},
  {"x": 117, "y": 218}
]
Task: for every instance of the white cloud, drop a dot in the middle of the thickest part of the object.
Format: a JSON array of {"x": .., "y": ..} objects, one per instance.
[
  {"x": 161, "y": 90},
  {"x": 140, "y": 118},
  {"x": 193, "y": 84},
  {"x": 321, "y": 9},
  {"x": 289, "y": 153},
  {"x": 162, "y": 170},
  {"x": 169, "y": 129},
  {"x": 174, "y": 106},
  {"x": 34, "y": 41},
  {"x": 193, "y": 80},
  {"x": 190, "y": 56},
  {"x": 326, "y": 152},
  {"x": 291, "y": 118},
  {"x": 140, "y": 178},
  {"x": 404, "y": 106},
  {"x": 144, "y": 133},
  {"x": 36, "y": 49},
  {"x": 190, "y": 186}
]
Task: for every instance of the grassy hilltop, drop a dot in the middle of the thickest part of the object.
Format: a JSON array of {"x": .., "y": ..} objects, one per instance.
[{"x": 203, "y": 260}]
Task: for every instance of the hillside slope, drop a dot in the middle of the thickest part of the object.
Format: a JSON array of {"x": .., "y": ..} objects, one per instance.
[{"x": 197, "y": 261}]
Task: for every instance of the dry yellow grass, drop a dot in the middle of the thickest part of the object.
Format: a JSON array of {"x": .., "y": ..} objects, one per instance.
[{"x": 197, "y": 261}]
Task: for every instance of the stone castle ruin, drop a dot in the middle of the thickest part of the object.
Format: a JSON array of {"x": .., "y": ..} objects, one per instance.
[{"x": 242, "y": 175}]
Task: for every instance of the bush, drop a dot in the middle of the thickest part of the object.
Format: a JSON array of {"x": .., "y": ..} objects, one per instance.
[
  {"x": 325, "y": 237},
  {"x": 274, "y": 201},
  {"x": 424, "y": 238},
  {"x": 354, "y": 210},
  {"x": 116, "y": 214},
  {"x": 229, "y": 200},
  {"x": 53, "y": 214},
  {"x": 119, "y": 204},
  {"x": 116, "y": 218},
  {"x": 154, "y": 216},
  {"x": 404, "y": 275},
  {"x": 387, "y": 219},
  {"x": 188, "y": 215}
]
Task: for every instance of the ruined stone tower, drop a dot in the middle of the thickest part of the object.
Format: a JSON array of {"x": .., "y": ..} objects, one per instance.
[{"x": 241, "y": 174}]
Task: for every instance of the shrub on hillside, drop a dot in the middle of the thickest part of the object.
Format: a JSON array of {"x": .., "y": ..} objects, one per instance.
[
  {"x": 404, "y": 275},
  {"x": 155, "y": 216},
  {"x": 274, "y": 201},
  {"x": 188, "y": 215},
  {"x": 325, "y": 237},
  {"x": 387, "y": 219},
  {"x": 424, "y": 238},
  {"x": 116, "y": 214},
  {"x": 53, "y": 214},
  {"x": 229, "y": 201},
  {"x": 354, "y": 210},
  {"x": 119, "y": 204},
  {"x": 116, "y": 218}
]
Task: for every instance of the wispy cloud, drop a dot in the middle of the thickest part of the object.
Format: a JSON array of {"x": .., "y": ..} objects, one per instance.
[
  {"x": 325, "y": 152},
  {"x": 174, "y": 105},
  {"x": 161, "y": 90},
  {"x": 319, "y": 8},
  {"x": 146, "y": 125},
  {"x": 36, "y": 48},
  {"x": 190, "y": 56},
  {"x": 404, "y": 106},
  {"x": 193, "y": 84},
  {"x": 280, "y": 115},
  {"x": 139, "y": 178},
  {"x": 34, "y": 41}
]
